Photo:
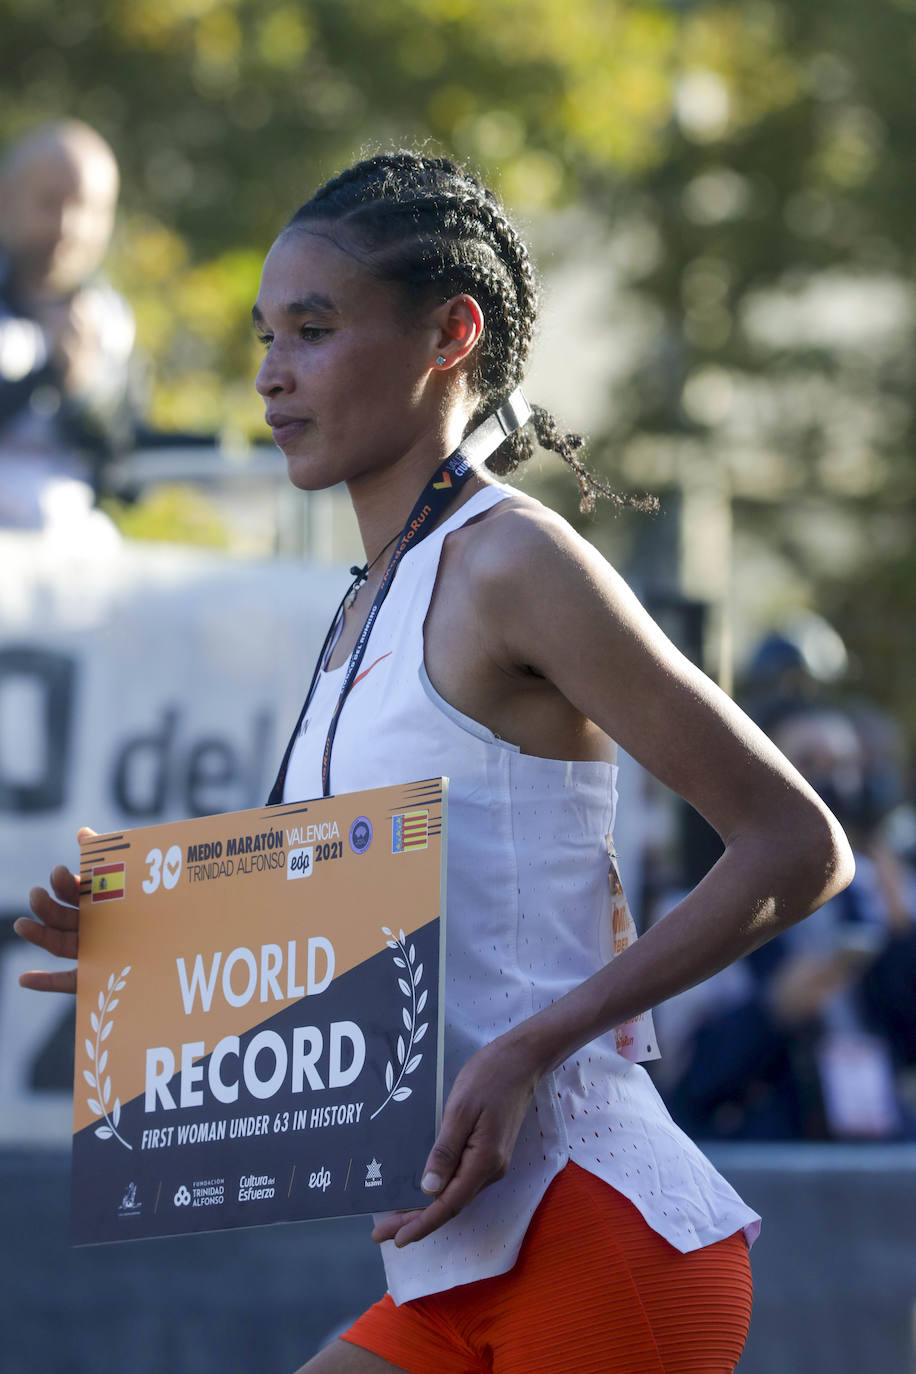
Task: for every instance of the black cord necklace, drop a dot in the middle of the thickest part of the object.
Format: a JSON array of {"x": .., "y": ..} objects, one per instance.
[
  {"x": 361, "y": 574},
  {"x": 436, "y": 497}
]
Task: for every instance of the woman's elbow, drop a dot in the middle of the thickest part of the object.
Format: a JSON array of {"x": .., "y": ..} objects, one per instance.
[
  {"x": 825, "y": 853},
  {"x": 841, "y": 860}
]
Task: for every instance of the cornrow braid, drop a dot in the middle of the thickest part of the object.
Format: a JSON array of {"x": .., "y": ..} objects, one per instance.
[
  {"x": 551, "y": 437},
  {"x": 431, "y": 227}
]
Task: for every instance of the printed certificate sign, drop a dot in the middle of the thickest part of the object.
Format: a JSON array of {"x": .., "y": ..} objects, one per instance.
[{"x": 259, "y": 1016}]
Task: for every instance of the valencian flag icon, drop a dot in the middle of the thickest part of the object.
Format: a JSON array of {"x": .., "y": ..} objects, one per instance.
[
  {"x": 409, "y": 830},
  {"x": 108, "y": 881}
]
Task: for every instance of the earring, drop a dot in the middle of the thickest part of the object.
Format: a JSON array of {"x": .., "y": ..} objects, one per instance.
[{"x": 440, "y": 361}]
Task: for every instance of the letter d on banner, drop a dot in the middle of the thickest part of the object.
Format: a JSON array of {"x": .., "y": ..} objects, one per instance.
[{"x": 316, "y": 943}]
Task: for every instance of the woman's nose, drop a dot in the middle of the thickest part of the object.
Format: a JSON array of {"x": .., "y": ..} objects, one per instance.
[{"x": 271, "y": 379}]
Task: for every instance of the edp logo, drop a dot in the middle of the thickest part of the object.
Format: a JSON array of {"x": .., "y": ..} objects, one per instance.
[{"x": 299, "y": 863}]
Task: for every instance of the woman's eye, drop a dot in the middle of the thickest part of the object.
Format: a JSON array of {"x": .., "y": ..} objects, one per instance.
[{"x": 311, "y": 333}]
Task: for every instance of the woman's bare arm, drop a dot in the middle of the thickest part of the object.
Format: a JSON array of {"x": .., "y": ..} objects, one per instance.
[{"x": 554, "y": 605}]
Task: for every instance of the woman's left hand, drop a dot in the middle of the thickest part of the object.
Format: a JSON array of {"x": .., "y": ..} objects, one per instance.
[{"x": 480, "y": 1125}]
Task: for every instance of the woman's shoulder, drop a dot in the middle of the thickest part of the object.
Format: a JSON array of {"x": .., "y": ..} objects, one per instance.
[{"x": 515, "y": 535}]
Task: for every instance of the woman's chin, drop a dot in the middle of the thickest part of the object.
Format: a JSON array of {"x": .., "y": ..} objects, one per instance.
[{"x": 308, "y": 475}]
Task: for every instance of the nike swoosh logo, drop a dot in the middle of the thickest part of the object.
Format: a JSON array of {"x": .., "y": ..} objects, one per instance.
[{"x": 366, "y": 671}]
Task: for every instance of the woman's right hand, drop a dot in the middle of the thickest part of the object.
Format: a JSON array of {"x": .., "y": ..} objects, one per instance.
[{"x": 56, "y": 928}]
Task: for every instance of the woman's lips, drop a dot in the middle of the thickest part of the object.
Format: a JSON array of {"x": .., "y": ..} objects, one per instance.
[{"x": 286, "y": 427}]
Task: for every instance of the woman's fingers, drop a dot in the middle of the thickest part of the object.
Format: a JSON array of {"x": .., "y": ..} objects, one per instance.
[
  {"x": 55, "y": 928},
  {"x": 476, "y": 1170},
  {"x": 445, "y": 1157},
  {"x": 388, "y": 1226},
  {"x": 455, "y": 1172},
  {"x": 55, "y": 931},
  {"x": 57, "y": 980},
  {"x": 63, "y": 914},
  {"x": 56, "y": 934},
  {"x": 65, "y": 885},
  {"x": 445, "y": 1162},
  {"x": 480, "y": 1125},
  {"x": 466, "y": 1157}
]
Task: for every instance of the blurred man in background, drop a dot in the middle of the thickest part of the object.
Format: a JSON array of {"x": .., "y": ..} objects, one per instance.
[{"x": 65, "y": 335}]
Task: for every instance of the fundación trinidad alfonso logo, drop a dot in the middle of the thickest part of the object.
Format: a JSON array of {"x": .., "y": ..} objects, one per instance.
[{"x": 102, "y": 1023}]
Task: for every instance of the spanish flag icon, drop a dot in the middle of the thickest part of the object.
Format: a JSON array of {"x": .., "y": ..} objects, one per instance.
[{"x": 108, "y": 882}]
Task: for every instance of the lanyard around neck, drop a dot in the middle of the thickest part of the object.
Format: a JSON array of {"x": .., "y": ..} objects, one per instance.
[{"x": 438, "y": 494}]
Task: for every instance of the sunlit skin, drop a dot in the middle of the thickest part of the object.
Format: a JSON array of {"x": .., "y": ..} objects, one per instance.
[
  {"x": 351, "y": 390},
  {"x": 531, "y": 632},
  {"x": 382, "y": 437}
]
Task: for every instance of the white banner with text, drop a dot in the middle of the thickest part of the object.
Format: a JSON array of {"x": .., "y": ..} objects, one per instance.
[{"x": 138, "y": 683}]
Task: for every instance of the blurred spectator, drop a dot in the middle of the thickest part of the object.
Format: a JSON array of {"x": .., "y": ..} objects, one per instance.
[
  {"x": 797, "y": 662},
  {"x": 65, "y": 335},
  {"x": 812, "y": 1035}
]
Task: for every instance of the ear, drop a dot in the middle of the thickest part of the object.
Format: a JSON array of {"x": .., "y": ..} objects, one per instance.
[{"x": 458, "y": 328}]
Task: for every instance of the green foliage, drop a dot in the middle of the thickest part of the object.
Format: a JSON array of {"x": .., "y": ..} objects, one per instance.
[
  {"x": 752, "y": 160},
  {"x": 171, "y": 514},
  {"x": 225, "y": 113}
]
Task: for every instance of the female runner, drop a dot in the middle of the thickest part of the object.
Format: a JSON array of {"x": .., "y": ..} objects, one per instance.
[{"x": 572, "y": 1226}]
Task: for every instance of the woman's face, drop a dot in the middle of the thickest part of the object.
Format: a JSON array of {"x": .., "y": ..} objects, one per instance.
[{"x": 346, "y": 374}]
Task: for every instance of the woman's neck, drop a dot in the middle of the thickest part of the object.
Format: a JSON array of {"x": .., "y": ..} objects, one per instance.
[{"x": 382, "y": 501}]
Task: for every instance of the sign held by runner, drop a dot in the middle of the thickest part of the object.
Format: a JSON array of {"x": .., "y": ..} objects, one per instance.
[{"x": 259, "y": 1015}]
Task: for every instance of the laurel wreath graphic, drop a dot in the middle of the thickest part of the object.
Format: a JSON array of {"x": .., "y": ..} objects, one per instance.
[
  {"x": 405, "y": 957},
  {"x": 103, "y": 1025}
]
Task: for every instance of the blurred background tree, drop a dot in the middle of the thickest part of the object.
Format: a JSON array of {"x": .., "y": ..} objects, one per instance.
[{"x": 734, "y": 181}]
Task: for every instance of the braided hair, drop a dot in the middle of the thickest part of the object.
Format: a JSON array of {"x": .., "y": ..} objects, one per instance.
[{"x": 430, "y": 226}]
